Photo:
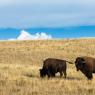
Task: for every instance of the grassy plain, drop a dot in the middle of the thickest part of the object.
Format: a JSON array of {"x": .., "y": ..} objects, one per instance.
[{"x": 20, "y": 62}]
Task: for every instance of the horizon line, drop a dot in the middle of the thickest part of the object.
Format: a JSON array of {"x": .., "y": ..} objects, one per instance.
[{"x": 47, "y": 27}]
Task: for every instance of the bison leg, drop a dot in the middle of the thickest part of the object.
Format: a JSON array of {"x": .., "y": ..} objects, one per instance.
[
  {"x": 53, "y": 75},
  {"x": 49, "y": 74},
  {"x": 65, "y": 74},
  {"x": 89, "y": 75},
  {"x": 61, "y": 74}
]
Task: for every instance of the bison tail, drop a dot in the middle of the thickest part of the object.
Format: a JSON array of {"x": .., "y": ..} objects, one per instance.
[{"x": 69, "y": 62}]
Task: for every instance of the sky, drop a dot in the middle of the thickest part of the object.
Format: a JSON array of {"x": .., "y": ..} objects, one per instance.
[
  {"x": 46, "y": 13},
  {"x": 25, "y": 14}
]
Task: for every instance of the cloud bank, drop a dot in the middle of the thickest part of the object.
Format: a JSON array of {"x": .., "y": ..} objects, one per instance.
[{"x": 24, "y": 35}]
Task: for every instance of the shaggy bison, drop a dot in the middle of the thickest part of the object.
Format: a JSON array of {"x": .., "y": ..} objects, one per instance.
[
  {"x": 86, "y": 65},
  {"x": 51, "y": 66}
]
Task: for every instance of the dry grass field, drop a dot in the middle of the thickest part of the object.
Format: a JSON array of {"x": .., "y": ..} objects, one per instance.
[{"x": 20, "y": 62}]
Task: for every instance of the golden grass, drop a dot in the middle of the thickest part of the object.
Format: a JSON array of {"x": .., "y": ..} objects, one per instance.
[{"x": 20, "y": 62}]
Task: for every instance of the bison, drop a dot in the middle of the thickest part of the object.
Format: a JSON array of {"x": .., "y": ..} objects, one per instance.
[
  {"x": 86, "y": 65},
  {"x": 51, "y": 66}
]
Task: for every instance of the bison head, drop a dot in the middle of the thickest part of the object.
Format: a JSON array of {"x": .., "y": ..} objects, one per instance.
[
  {"x": 79, "y": 63},
  {"x": 42, "y": 72},
  {"x": 83, "y": 67}
]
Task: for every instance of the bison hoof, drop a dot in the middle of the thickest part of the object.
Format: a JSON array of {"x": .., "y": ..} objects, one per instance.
[{"x": 90, "y": 78}]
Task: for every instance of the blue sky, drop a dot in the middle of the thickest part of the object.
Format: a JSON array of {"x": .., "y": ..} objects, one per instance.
[
  {"x": 46, "y": 13},
  {"x": 67, "y": 14}
]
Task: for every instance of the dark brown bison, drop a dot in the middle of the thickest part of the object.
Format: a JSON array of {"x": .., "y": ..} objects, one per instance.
[
  {"x": 86, "y": 65},
  {"x": 51, "y": 66}
]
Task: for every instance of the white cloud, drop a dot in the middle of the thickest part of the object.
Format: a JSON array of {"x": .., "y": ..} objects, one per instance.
[
  {"x": 24, "y": 35},
  {"x": 11, "y": 39}
]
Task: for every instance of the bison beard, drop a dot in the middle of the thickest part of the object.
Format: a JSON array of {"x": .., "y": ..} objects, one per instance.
[{"x": 86, "y": 66}]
